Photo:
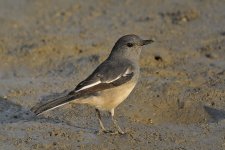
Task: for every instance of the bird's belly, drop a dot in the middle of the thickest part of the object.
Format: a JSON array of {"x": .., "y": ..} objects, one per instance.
[{"x": 110, "y": 98}]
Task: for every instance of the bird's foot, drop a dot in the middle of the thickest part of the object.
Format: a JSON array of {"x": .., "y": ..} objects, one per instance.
[
  {"x": 117, "y": 133},
  {"x": 102, "y": 131},
  {"x": 121, "y": 132},
  {"x": 111, "y": 132}
]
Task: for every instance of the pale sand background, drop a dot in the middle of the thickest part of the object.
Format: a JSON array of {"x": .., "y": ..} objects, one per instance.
[{"x": 47, "y": 47}]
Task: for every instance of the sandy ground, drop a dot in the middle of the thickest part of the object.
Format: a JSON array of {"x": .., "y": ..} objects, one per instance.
[{"x": 47, "y": 47}]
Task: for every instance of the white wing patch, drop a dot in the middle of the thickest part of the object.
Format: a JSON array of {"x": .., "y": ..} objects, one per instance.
[
  {"x": 113, "y": 79},
  {"x": 128, "y": 71},
  {"x": 88, "y": 86}
]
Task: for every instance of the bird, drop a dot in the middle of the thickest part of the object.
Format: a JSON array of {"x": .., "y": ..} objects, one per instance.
[{"x": 109, "y": 84}]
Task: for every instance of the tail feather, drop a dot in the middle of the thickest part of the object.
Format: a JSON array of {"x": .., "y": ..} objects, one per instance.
[{"x": 38, "y": 109}]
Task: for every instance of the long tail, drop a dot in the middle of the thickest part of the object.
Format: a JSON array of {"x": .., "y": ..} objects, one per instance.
[{"x": 38, "y": 109}]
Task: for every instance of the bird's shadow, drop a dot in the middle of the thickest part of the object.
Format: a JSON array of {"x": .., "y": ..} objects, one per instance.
[
  {"x": 11, "y": 112},
  {"x": 215, "y": 114}
]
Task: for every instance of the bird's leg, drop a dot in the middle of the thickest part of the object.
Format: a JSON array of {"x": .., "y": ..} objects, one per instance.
[
  {"x": 115, "y": 122},
  {"x": 100, "y": 121}
]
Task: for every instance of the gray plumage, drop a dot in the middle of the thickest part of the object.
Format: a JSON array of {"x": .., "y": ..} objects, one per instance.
[{"x": 110, "y": 83}]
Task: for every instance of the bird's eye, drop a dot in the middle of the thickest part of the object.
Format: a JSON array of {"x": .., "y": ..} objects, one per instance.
[{"x": 130, "y": 44}]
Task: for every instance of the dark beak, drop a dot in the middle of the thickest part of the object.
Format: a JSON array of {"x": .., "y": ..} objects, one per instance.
[{"x": 146, "y": 42}]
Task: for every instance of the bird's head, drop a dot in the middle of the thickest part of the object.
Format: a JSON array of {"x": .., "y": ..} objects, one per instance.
[{"x": 129, "y": 46}]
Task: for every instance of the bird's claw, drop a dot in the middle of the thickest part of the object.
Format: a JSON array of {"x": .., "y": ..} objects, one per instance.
[{"x": 111, "y": 132}]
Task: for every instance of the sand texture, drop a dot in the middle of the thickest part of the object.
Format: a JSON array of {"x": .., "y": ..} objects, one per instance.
[{"x": 48, "y": 46}]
